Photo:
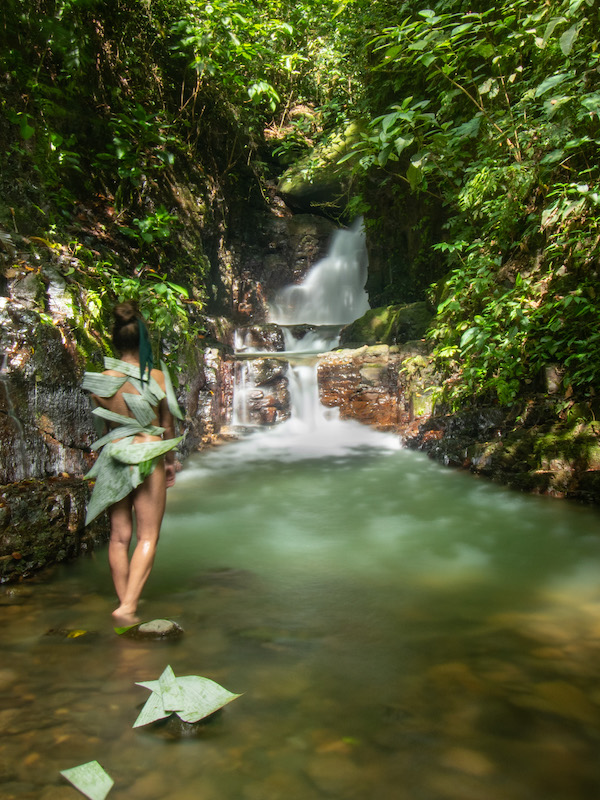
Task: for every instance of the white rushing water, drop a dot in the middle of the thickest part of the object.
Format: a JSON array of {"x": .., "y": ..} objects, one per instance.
[
  {"x": 331, "y": 296},
  {"x": 333, "y": 290}
]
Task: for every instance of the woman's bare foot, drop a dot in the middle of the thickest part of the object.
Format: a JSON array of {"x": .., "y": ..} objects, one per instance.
[{"x": 124, "y": 616}]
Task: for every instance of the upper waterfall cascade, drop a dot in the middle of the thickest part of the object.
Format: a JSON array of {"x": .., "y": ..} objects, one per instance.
[{"x": 333, "y": 291}]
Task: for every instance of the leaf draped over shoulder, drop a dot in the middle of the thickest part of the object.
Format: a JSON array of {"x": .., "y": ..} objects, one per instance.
[{"x": 123, "y": 463}]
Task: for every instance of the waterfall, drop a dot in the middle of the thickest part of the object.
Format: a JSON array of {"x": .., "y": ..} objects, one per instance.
[
  {"x": 333, "y": 291},
  {"x": 310, "y": 316}
]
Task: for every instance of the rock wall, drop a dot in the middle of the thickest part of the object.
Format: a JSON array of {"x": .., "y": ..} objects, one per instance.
[
  {"x": 45, "y": 423},
  {"x": 526, "y": 448},
  {"x": 376, "y": 386},
  {"x": 42, "y": 522}
]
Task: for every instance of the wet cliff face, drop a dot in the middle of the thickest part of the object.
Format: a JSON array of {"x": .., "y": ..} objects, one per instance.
[
  {"x": 42, "y": 522},
  {"x": 45, "y": 423}
]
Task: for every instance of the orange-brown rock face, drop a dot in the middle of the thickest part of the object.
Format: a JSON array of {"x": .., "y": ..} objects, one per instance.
[
  {"x": 363, "y": 384},
  {"x": 370, "y": 385}
]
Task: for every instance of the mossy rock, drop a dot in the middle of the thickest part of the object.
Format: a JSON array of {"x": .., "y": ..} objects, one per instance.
[
  {"x": 317, "y": 182},
  {"x": 388, "y": 325}
]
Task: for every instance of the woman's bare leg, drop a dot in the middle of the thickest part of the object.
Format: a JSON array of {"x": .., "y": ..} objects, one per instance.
[
  {"x": 121, "y": 530},
  {"x": 149, "y": 505}
]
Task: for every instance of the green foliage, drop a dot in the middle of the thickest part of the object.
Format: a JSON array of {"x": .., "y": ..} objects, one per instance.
[
  {"x": 495, "y": 112},
  {"x": 239, "y": 49},
  {"x": 154, "y": 226},
  {"x": 174, "y": 319},
  {"x": 160, "y": 301},
  {"x": 141, "y": 145}
]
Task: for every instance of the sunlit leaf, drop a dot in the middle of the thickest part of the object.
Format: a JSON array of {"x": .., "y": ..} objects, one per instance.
[
  {"x": 468, "y": 336},
  {"x": 550, "y": 27},
  {"x": 414, "y": 175},
  {"x": 550, "y": 83},
  {"x": 567, "y": 40},
  {"x": 196, "y": 698},
  {"x": 591, "y": 102},
  {"x": 401, "y": 143},
  {"x": 553, "y": 157},
  {"x": 90, "y": 779}
]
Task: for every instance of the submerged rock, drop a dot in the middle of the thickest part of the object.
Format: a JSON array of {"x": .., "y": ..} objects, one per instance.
[{"x": 173, "y": 728}]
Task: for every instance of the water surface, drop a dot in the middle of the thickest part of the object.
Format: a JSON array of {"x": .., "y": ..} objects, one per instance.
[{"x": 399, "y": 630}]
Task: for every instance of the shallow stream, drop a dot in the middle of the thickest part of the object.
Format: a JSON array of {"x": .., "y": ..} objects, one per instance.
[{"x": 397, "y": 629}]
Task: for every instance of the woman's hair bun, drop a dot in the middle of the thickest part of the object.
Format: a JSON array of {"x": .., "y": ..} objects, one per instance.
[{"x": 126, "y": 312}]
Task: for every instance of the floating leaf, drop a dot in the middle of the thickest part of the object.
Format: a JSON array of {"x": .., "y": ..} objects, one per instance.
[
  {"x": 152, "y": 711},
  {"x": 191, "y": 697},
  {"x": 202, "y": 698},
  {"x": 90, "y": 779},
  {"x": 121, "y": 629}
]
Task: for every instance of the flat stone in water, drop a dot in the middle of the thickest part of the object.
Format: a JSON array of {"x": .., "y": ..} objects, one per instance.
[
  {"x": 155, "y": 629},
  {"x": 173, "y": 728},
  {"x": 336, "y": 774}
]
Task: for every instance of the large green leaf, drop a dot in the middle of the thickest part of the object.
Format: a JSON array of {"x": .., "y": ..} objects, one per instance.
[
  {"x": 567, "y": 40},
  {"x": 191, "y": 697},
  {"x": 550, "y": 83}
]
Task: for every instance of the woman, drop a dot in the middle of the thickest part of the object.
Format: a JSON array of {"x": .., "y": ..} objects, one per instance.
[{"x": 136, "y": 463}]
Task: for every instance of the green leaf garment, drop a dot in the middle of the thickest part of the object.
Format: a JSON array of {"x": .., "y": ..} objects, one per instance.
[{"x": 124, "y": 463}]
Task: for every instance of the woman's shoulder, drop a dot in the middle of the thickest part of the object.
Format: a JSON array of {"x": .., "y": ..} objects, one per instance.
[{"x": 159, "y": 377}]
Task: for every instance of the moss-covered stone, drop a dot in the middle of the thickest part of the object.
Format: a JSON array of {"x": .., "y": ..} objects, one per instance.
[
  {"x": 42, "y": 522},
  {"x": 388, "y": 325},
  {"x": 318, "y": 182},
  {"x": 533, "y": 452}
]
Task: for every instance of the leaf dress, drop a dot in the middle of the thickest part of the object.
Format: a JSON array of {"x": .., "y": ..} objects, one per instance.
[{"x": 123, "y": 463}]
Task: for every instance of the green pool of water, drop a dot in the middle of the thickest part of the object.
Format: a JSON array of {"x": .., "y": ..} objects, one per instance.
[{"x": 397, "y": 629}]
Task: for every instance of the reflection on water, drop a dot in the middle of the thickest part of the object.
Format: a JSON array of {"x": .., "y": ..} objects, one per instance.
[{"x": 398, "y": 630}]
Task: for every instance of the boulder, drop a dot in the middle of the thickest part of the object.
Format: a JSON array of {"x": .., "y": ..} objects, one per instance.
[
  {"x": 374, "y": 385},
  {"x": 155, "y": 629},
  {"x": 388, "y": 325},
  {"x": 318, "y": 183},
  {"x": 42, "y": 522}
]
